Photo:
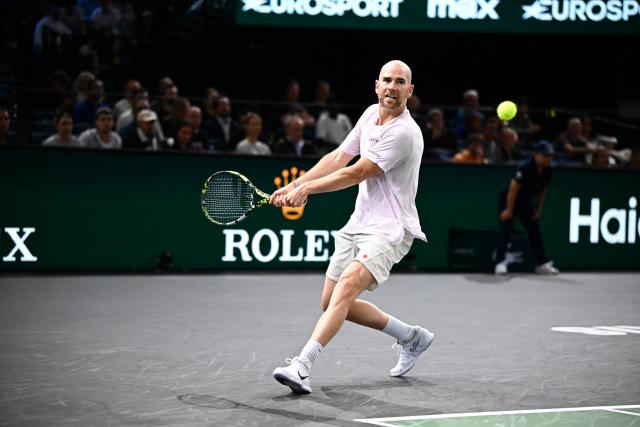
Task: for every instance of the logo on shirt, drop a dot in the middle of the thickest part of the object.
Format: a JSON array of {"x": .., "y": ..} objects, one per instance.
[
  {"x": 289, "y": 175},
  {"x": 374, "y": 140}
]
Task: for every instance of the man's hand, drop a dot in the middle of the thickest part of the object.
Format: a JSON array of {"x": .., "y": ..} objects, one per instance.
[
  {"x": 506, "y": 215},
  {"x": 278, "y": 197},
  {"x": 297, "y": 197}
]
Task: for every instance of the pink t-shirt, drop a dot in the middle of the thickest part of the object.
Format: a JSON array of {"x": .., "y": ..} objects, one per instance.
[{"x": 386, "y": 203}]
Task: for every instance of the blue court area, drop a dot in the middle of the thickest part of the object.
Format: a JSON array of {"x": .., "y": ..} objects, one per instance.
[{"x": 199, "y": 350}]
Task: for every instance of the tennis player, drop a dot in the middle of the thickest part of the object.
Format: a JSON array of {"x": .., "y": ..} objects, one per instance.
[{"x": 380, "y": 230}]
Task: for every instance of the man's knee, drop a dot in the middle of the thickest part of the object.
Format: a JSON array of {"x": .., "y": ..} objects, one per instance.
[{"x": 347, "y": 289}]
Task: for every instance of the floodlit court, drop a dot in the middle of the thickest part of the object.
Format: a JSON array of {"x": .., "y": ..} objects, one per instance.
[{"x": 520, "y": 350}]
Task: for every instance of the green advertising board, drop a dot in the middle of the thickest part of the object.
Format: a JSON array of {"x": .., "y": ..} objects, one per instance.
[
  {"x": 496, "y": 16},
  {"x": 118, "y": 211}
]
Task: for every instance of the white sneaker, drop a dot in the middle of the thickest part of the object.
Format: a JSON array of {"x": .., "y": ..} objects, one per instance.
[
  {"x": 546, "y": 268},
  {"x": 410, "y": 350},
  {"x": 501, "y": 268},
  {"x": 295, "y": 376}
]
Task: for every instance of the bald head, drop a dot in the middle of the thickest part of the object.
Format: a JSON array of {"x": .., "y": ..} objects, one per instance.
[
  {"x": 394, "y": 87},
  {"x": 396, "y": 67}
]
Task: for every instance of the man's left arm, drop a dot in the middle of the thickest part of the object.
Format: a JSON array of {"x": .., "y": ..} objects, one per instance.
[{"x": 338, "y": 180}]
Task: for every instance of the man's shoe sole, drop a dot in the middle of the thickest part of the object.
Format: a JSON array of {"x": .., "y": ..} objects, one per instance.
[{"x": 294, "y": 386}]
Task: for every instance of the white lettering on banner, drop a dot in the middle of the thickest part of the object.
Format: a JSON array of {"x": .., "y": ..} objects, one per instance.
[
  {"x": 316, "y": 248},
  {"x": 462, "y": 9},
  {"x": 19, "y": 244},
  {"x": 581, "y": 10},
  {"x": 599, "y": 330},
  {"x": 360, "y": 8},
  {"x": 626, "y": 223}
]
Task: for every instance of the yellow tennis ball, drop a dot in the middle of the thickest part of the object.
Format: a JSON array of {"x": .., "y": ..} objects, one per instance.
[{"x": 507, "y": 110}]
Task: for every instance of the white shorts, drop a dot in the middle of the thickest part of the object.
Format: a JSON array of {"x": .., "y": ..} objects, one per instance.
[{"x": 375, "y": 253}]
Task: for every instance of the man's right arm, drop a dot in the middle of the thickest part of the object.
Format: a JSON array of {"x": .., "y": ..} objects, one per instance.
[
  {"x": 328, "y": 164},
  {"x": 514, "y": 188}
]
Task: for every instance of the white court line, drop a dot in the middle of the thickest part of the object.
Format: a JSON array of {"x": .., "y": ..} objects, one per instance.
[
  {"x": 383, "y": 421},
  {"x": 623, "y": 412}
]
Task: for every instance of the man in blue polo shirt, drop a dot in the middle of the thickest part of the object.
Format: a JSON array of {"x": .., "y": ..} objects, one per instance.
[{"x": 524, "y": 198}]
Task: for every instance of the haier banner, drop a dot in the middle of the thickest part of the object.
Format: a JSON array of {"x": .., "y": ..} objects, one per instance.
[{"x": 513, "y": 16}]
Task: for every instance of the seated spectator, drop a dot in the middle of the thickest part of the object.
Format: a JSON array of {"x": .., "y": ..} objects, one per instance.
[
  {"x": 85, "y": 111},
  {"x": 208, "y": 104},
  {"x": 81, "y": 85},
  {"x": 293, "y": 142},
  {"x": 164, "y": 105},
  {"x": 252, "y": 125},
  {"x": 602, "y": 142},
  {"x": 473, "y": 153},
  {"x": 182, "y": 136},
  {"x": 131, "y": 88},
  {"x": 5, "y": 124},
  {"x": 475, "y": 123},
  {"x": 572, "y": 143},
  {"x": 223, "y": 130},
  {"x": 142, "y": 134},
  {"x": 64, "y": 133},
  {"x": 291, "y": 105},
  {"x": 141, "y": 103},
  {"x": 332, "y": 127},
  {"x": 440, "y": 142},
  {"x": 200, "y": 140},
  {"x": 101, "y": 136},
  {"x": 470, "y": 106},
  {"x": 321, "y": 98},
  {"x": 505, "y": 152},
  {"x": 491, "y": 133},
  {"x": 179, "y": 114}
]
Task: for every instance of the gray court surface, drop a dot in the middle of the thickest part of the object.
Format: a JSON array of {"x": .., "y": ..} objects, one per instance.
[{"x": 200, "y": 349}]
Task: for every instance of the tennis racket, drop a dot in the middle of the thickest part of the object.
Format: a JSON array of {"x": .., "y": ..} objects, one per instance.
[{"x": 228, "y": 197}]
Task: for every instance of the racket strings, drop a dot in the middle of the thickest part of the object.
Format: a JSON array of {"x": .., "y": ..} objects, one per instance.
[{"x": 227, "y": 198}]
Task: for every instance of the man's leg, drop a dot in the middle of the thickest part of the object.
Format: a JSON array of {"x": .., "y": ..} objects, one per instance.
[
  {"x": 504, "y": 236},
  {"x": 355, "y": 279},
  {"x": 343, "y": 302},
  {"x": 543, "y": 265},
  {"x": 335, "y": 294},
  {"x": 532, "y": 226}
]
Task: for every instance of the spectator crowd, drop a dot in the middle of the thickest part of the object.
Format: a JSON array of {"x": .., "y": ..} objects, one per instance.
[{"x": 76, "y": 111}]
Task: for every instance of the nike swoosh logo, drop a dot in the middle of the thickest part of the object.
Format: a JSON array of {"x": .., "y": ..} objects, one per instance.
[
  {"x": 414, "y": 346},
  {"x": 301, "y": 377}
]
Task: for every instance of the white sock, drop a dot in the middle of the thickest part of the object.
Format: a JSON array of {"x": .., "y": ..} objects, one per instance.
[
  {"x": 309, "y": 352},
  {"x": 398, "y": 329}
]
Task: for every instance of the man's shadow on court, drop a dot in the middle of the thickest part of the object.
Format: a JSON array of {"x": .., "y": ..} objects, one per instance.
[{"x": 348, "y": 398}]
